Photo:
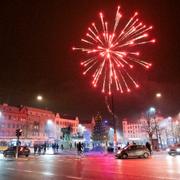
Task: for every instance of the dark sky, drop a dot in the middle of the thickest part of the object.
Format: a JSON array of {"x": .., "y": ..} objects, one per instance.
[{"x": 36, "y": 38}]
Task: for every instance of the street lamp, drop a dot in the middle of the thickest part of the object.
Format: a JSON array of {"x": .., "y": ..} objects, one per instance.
[
  {"x": 152, "y": 110},
  {"x": 158, "y": 95},
  {"x": 49, "y": 122},
  {"x": 39, "y": 98}
]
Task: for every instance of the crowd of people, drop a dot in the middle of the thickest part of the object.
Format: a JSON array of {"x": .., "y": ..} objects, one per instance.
[
  {"x": 55, "y": 147},
  {"x": 40, "y": 148}
]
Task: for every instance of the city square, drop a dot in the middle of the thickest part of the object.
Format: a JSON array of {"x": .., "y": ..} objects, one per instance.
[{"x": 89, "y": 90}]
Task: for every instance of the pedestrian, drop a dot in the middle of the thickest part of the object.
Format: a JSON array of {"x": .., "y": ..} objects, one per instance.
[
  {"x": 70, "y": 145},
  {"x": 39, "y": 149},
  {"x": 35, "y": 149},
  {"x": 57, "y": 147},
  {"x": 53, "y": 147},
  {"x": 44, "y": 148},
  {"x": 127, "y": 144},
  {"x": 79, "y": 148},
  {"x": 148, "y": 146},
  {"x": 75, "y": 144},
  {"x": 62, "y": 147}
]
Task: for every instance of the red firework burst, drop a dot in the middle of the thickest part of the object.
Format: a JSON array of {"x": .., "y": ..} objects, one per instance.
[{"x": 111, "y": 54}]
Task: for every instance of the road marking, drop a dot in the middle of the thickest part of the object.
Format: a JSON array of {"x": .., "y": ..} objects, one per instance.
[
  {"x": 47, "y": 173},
  {"x": 29, "y": 171},
  {"x": 10, "y": 169},
  {"x": 73, "y": 177}
]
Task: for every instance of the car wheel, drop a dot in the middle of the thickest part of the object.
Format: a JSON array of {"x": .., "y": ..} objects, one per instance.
[
  {"x": 27, "y": 155},
  {"x": 124, "y": 156},
  {"x": 146, "y": 155}
]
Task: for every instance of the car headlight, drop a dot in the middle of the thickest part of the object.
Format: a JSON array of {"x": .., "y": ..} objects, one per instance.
[
  {"x": 167, "y": 149},
  {"x": 178, "y": 149}
]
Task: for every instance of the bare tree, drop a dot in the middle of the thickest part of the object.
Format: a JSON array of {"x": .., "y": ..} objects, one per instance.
[{"x": 149, "y": 126}]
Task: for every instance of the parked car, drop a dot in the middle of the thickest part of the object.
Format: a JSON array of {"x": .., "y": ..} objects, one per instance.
[
  {"x": 133, "y": 151},
  {"x": 174, "y": 150},
  {"x": 22, "y": 151}
]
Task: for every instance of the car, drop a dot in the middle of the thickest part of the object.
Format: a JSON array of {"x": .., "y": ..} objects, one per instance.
[
  {"x": 174, "y": 150},
  {"x": 22, "y": 151},
  {"x": 133, "y": 151}
]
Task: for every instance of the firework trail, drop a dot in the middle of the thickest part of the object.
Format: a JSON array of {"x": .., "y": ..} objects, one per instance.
[{"x": 111, "y": 54}]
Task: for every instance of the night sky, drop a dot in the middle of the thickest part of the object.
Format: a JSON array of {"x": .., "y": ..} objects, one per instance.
[{"x": 36, "y": 39}]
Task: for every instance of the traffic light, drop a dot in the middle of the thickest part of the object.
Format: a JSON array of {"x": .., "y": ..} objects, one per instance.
[{"x": 18, "y": 132}]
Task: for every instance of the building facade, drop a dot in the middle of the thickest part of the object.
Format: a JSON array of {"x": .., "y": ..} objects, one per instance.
[
  {"x": 133, "y": 131},
  {"x": 37, "y": 124},
  {"x": 165, "y": 131}
]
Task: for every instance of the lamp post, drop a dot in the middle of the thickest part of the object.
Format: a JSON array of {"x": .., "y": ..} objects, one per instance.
[
  {"x": 158, "y": 95},
  {"x": 114, "y": 121},
  {"x": 152, "y": 112},
  {"x": 39, "y": 98}
]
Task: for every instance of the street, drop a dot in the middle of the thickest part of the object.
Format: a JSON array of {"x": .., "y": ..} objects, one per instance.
[{"x": 91, "y": 166}]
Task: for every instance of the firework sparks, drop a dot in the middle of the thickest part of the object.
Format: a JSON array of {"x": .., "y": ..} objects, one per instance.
[{"x": 110, "y": 52}]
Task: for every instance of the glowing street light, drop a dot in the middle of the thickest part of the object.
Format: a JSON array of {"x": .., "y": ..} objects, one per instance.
[
  {"x": 49, "y": 122},
  {"x": 39, "y": 98},
  {"x": 152, "y": 110},
  {"x": 158, "y": 95}
]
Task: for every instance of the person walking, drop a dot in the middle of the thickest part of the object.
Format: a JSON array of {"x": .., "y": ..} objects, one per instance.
[
  {"x": 44, "y": 148},
  {"x": 70, "y": 145},
  {"x": 57, "y": 147},
  {"x": 35, "y": 149},
  {"x": 62, "y": 147},
  {"x": 148, "y": 146},
  {"x": 79, "y": 148},
  {"x": 39, "y": 149},
  {"x": 53, "y": 147}
]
